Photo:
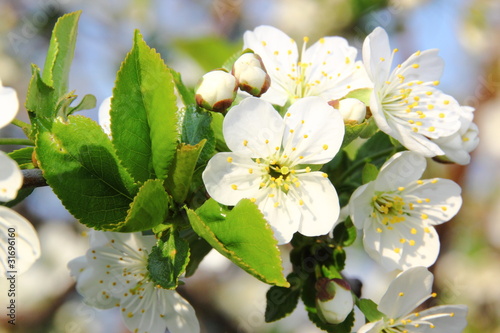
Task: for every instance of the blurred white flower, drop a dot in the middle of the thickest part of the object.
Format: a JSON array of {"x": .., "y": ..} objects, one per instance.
[
  {"x": 410, "y": 289},
  {"x": 268, "y": 164},
  {"x": 104, "y": 116},
  {"x": 458, "y": 145},
  {"x": 328, "y": 68},
  {"x": 405, "y": 103},
  {"x": 9, "y": 105},
  {"x": 398, "y": 212},
  {"x": 114, "y": 273}
]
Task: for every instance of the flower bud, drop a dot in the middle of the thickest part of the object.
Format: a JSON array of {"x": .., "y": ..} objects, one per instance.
[
  {"x": 333, "y": 300},
  {"x": 251, "y": 74},
  {"x": 352, "y": 110},
  {"x": 216, "y": 90}
]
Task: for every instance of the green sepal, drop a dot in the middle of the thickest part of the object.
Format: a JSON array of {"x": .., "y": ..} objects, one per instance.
[
  {"x": 149, "y": 208},
  {"x": 179, "y": 179},
  {"x": 282, "y": 301},
  {"x": 144, "y": 113},
  {"x": 362, "y": 94},
  {"x": 352, "y": 132},
  {"x": 345, "y": 233},
  {"x": 369, "y": 173},
  {"x": 369, "y": 309},
  {"x": 168, "y": 260},
  {"x": 80, "y": 164},
  {"x": 242, "y": 235},
  {"x": 23, "y": 157}
]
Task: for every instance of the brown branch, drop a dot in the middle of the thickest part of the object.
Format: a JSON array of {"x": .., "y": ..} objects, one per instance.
[{"x": 33, "y": 178}]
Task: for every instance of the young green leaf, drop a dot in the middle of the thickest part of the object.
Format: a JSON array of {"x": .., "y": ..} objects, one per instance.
[
  {"x": 181, "y": 171},
  {"x": 149, "y": 208},
  {"x": 369, "y": 173},
  {"x": 195, "y": 128},
  {"x": 369, "y": 309},
  {"x": 242, "y": 235},
  {"x": 23, "y": 157},
  {"x": 282, "y": 301},
  {"x": 352, "y": 132},
  {"x": 80, "y": 164},
  {"x": 362, "y": 94},
  {"x": 345, "y": 233},
  {"x": 168, "y": 260},
  {"x": 144, "y": 113}
]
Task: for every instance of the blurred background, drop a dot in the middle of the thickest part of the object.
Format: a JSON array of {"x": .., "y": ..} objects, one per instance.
[{"x": 195, "y": 36}]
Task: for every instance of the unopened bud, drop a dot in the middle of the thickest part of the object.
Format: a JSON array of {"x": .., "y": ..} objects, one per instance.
[
  {"x": 352, "y": 110},
  {"x": 251, "y": 74},
  {"x": 216, "y": 90},
  {"x": 334, "y": 300}
]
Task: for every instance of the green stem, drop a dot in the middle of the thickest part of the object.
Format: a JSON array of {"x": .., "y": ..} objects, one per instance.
[
  {"x": 16, "y": 142},
  {"x": 365, "y": 160}
]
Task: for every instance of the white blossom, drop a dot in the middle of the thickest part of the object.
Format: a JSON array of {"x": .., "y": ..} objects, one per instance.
[
  {"x": 405, "y": 293},
  {"x": 216, "y": 90},
  {"x": 9, "y": 105},
  {"x": 398, "y": 211},
  {"x": 457, "y": 146},
  {"x": 251, "y": 74},
  {"x": 328, "y": 68},
  {"x": 352, "y": 110},
  {"x": 405, "y": 102},
  {"x": 334, "y": 300},
  {"x": 269, "y": 164},
  {"x": 114, "y": 273}
]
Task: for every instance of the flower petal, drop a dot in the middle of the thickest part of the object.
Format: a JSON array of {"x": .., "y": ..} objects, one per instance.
[
  {"x": 15, "y": 228},
  {"x": 229, "y": 178},
  {"x": 441, "y": 199},
  {"x": 332, "y": 71},
  {"x": 407, "y": 291},
  {"x": 104, "y": 117},
  {"x": 445, "y": 318},
  {"x": 11, "y": 178},
  {"x": 282, "y": 213},
  {"x": 321, "y": 208},
  {"x": 375, "y": 327},
  {"x": 279, "y": 54},
  {"x": 377, "y": 55},
  {"x": 9, "y": 105},
  {"x": 253, "y": 128},
  {"x": 426, "y": 66},
  {"x": 314, "y": 131},
  {"x": 400, "y": 170},
  {"x": 360, "y": 205}
]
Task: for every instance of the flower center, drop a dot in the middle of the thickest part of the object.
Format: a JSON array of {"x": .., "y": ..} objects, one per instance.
[
  {"x": 388, "y": 207},
  {"x": 279, "y": 174}
]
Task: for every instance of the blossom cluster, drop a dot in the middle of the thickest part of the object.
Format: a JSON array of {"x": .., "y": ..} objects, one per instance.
[{"x": 289, "y": 114}]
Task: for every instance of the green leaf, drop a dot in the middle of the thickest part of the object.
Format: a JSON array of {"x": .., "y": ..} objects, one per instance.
[
  {"x": 168, "y": 260},
  {"x": 370, "y": 129},
  {"x": 187, "y": 94},
  {"x": 362, "y": 94},
  {"x": 345, "y": 233},
  {"x": 369, "y": 173},
  {"x": 282, "y": 301},
  {"x": 80, "y": 164},
  {"x": 369, "y": 309},
  {"x": 41, "y": 102},
  {"x": 60, "y": 53},
  {"x": 352, "y": 132},
  {"x": 144, "y": 113},
  {"x": 149, "y": 208},
  {"x": 242, "y": 235},
  {"x": 181, "y": 171},
  {"x": 216, "y": 125},
  {"x": 23, "y": 157},
  {"x": 88, "y": 102},
  {"x": 373, "y": 147},
  {"x": 195, "y": 128},
  {"x": 215, "y": 50},
  {"x": 198, "y": 249}
]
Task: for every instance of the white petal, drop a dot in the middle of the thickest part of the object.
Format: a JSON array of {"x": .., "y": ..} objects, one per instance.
[
  {"x": 445, "y": 318},
  {"x": 332, "y": 70},
  {"x": 282, "y": 213},
  {"x": 426, "y": 66},
  {"x": 407, "y": 291},
  {"x": 400, "y": 170},
  {"x": 253, "y": 128},
  {"x": 378, "y": 112},
  {"x": 104, "y": 115},
  {"x": 157, "y": 310},
  {"x": 444, "y": 200},
  {"x": 375, "y": 327},
  {"x": 9, "y": 105},
  {"x": 321, "y": 208},
  {"x": 360, "y": 204},
  {"x": 229, "y": 182},
  {"x": 11, "y": 178},
  {"x": 315, "y": 129},
  {"x": 97, "y": 288},
  {"x": 17, "y": 232},
  {"x": 377, "y": 55},
  {"x": 279, "y": 54}
]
